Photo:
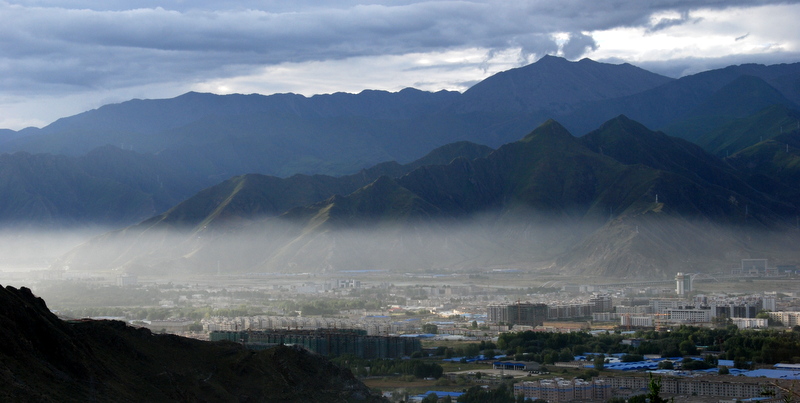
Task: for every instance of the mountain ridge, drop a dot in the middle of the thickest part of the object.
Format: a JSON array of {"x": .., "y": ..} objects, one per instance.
[{"x": 546, "y": 180}]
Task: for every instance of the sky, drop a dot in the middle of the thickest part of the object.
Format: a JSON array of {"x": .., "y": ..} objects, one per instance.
[{"x": 62, "y": 57}]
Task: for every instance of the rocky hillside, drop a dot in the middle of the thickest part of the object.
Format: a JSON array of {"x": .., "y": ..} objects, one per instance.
[{"x": 45, "y": 359}]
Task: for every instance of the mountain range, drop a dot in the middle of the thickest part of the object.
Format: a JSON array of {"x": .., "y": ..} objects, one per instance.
[
  {"x": 621, "y": 201},
  {"x": 348, "y": 181}
]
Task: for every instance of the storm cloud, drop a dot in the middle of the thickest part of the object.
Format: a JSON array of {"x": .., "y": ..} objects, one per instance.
[{"x": 64, "y": 47}]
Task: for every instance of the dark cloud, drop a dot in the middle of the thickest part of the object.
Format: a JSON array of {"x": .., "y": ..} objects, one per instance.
[
  {"x": 48, "y": 46},
  {"x": 577, "y": 45},
  {"x": 691, "y": 65},
  {"x": 664, "y": 23}
]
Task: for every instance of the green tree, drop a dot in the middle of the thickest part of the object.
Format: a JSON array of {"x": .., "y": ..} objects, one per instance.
[
  {"x": 431, "y": 398},
  {"x": 654, "y": 390},
  {"x": 723, "y": 370},
  {"x": 430, "y": 328},
  {"x": 600, "y": 362},
  {"x": 687, "y": 348}
]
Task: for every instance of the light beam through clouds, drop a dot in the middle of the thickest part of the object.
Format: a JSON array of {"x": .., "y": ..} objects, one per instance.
[{"x": 59, "y": 58}]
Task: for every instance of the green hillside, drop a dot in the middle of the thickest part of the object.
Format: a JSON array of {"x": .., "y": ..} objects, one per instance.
[
  {"x": 622, "y": 201},
  {"x": 750, "y": 130}
]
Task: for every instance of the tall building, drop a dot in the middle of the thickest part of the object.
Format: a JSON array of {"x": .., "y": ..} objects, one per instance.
[
  {"x": 601, "y": 303},
  {"x": 683, "y": 283},
  {"x": 518, "y": 314}
]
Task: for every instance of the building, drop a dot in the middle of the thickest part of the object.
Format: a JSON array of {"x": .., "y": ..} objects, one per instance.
[
  {"x": 750, "y": 323},
  {"x": 768, "y": 303},
  {"x": 347, "y": 283},
  {"x": 571, "y": 311},
  {"x": 754, "y": 266},
  {"x": 606, "y": 316},
  {"x": 518, "y": 314},
  {"x": 127, "y": 280},
  {"x": 741, "y": 310},
  {"x": 439, "y": 395},
  {"x": 688, "y": 315},
  {"x": 327, "y": 342},
  {"x": 562, "y": 390},
  {"x": 517, "y": 365},
  {"x": 601, "y": 303},
  {"x": 629, "y": 320},
  {"x": 659, "y": 305},
  {"x": 788, "y": 319},
  {"x": 637, "y": 309},
  {"x": 683, "y": 283},
  {"x": 721, "y": 386}
]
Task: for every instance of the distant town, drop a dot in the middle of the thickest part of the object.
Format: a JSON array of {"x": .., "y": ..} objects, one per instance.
[{"x": 377, "y": 315}]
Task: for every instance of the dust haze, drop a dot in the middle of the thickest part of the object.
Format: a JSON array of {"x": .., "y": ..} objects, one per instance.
[{"x": 630, "y": 247}]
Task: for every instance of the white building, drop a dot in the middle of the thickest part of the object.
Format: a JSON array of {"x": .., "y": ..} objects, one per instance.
[
  {"x": 688, "y": 315},
  {"x": 750, "y": 323}
]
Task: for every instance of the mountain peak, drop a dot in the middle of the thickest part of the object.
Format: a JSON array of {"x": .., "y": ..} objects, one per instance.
[
  {"x": 551, "y": 130},
  {"x": 556, "y": 85},
  {"x": 625, "y": 123},
  {"x": 551, "y": 59}
]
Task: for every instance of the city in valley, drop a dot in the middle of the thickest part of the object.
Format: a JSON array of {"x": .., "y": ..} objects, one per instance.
[
  {"x": 541, "y": 336},
  {"x": 400, "y": 201}
]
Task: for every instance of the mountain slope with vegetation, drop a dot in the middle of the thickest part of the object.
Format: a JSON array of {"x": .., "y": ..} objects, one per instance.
[{"x": 621, "y": 201}]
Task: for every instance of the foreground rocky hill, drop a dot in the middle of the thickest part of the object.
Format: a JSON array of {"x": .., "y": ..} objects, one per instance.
[{"x": 45, "y": 359}]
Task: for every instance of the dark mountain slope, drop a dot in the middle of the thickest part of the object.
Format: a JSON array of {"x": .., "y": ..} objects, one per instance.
[
  {"x": 661, "y": 106},
  {"x": 285, "y": 134},
  {"x": 773, "y": 166},
  {"x": 742, "y": 97},
  {"x": 137, "y": 122},
  {"x": 338, "y": 134},
  {"x": 630, "y": 142},
  {"x": 680, "y": 212},
  {"x": 52, "y": 191},
  {"x": 282, "y": 134},
  {"x": 747, "y": 131},
  {"x": 47, "y": 360},
  {"x": 108, "y": 186},
  {"x": 555, "y": 84},
  {"x": 234, "y": 204},
  {"x": 253, "y": 196},
  {"x": 545, "y": 198},
  {"x": 548, "y": 170}
]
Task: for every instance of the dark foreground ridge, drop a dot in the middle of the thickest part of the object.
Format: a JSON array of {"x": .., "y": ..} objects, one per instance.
[{"x": 45, "y": 359}]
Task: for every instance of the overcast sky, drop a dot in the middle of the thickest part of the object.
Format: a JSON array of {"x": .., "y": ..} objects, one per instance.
[{"x": 62, "y": 57}]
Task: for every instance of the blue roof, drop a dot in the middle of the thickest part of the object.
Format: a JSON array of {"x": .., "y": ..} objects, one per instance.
[
  {"x": 774, "y": 374},
  {"x": 787, "y": 366},
  {"x": 629, "y": 366},
  {"x": 516, "y": 364},
  {"x": 443, "y": 394}
]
